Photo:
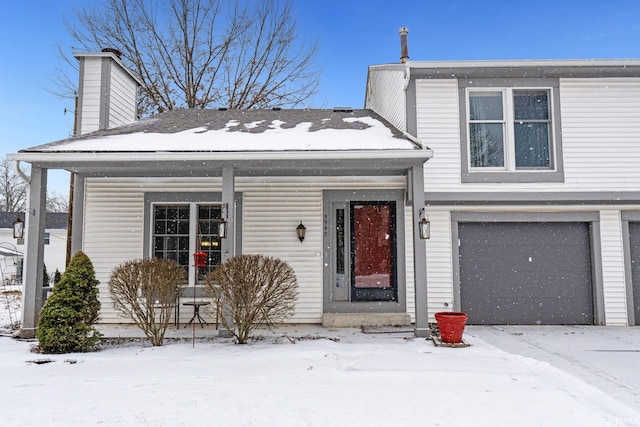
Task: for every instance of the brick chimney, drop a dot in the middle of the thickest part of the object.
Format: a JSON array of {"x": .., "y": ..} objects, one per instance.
[
  {"x": 107, "y": 92},
  {"x": 404, "y": 47}
]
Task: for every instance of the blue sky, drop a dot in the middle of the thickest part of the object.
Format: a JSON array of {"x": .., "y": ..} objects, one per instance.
[{"x": 351, "y": 35}]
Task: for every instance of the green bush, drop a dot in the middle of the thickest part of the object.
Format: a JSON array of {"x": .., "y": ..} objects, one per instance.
[
  {"x": 56, "y": 277},
  {"x": 253, "y": 291},
  {"x": 67, "y": 318},
  {"x": 145, "y": 291}
]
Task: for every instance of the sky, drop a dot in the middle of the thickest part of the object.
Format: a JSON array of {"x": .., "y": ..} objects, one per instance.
[{"x": 351, "y": 35}]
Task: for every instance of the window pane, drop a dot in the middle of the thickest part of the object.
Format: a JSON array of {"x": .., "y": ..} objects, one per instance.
[
  {"x": 160, "y": 212},
  {"x": 532, "y": 145},
  {"x": 485, "y": 106},
  {"x": 208, "y": 239},
  {"x": 486, "y": 145},
  {"x": 531, "y": 105},
  {"x": 171, "y": 233}
]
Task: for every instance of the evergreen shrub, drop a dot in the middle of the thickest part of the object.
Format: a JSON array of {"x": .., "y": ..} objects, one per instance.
[{"x": 67, "y": 318}]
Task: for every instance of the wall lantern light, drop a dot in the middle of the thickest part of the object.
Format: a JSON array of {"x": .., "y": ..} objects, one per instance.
[
  {"x": 301, "y": 231},
  {"x": 424, "y": 226},
  {"x": 18, "y": 228}
]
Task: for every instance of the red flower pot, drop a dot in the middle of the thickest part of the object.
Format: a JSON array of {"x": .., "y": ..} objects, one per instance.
[{"x": 451, "y": 326}]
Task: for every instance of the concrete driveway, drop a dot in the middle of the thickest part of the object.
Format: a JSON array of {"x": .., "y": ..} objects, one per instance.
[{"x": 605, "y": 357}]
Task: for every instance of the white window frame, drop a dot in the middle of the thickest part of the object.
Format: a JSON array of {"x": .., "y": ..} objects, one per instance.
[
  {"x": 193, "y": 232},
  {"x": 508, "y": 121},
  {"x": 483, "y": 176}
]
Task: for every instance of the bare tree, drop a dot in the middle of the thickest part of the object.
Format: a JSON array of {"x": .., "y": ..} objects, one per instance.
[
  {"x": 13, "y": 193},
  {"x": 202, "y": 53},
  {"x": 13, "y": 188},
  {"x": 57, "y": 203}
]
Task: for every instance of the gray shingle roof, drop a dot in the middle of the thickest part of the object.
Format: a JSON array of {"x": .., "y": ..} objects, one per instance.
[
  {"x": 53, "y": 220},
  {"x": 250, "y": 121}
]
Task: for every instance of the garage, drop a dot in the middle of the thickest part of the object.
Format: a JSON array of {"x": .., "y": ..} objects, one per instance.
[
  {"x": 526, "y": 273},
  {"x": 634, "y": 249}
]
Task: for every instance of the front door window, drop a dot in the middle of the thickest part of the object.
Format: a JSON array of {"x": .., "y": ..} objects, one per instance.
[{"x": 373, "y": 244}]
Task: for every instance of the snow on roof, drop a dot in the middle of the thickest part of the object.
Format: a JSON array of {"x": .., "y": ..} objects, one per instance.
[{"x": 243, "y": 130}]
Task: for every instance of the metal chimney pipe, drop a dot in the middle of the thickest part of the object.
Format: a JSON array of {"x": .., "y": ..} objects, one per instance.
[{"x": 404, "y": 48}]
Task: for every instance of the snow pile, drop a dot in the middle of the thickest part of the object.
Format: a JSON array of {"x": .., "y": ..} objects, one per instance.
[
  {"x": 363, "y": 379},
  {"x": 276, "y": 138}
]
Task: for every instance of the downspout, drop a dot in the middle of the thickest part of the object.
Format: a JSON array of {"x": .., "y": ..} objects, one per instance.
[
  {"x": 415, "y": 141},
  {"x": 18, "y": 171}
]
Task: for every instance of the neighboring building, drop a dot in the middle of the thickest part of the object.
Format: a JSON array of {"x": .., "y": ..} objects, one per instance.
[
  {"x": 533, "y": 189},
  {"x": 531, "y": 192},
  {"x": 12, "y": 250}
]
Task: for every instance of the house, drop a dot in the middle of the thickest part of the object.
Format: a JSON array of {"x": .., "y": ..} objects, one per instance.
[
  {"x": 160, "y": 186},
  {"x": 525, "y": 170},
  {"x": 12, "y": 250},
  {"x": 532, "y": 192}
]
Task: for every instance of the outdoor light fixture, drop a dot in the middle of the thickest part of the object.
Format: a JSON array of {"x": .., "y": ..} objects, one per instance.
[
  {"x": 18, "y": 228},
  {"x": 424, "y": 225},
  {"x": 222, "y": 224},
  {"x": 301, "y": 231}
]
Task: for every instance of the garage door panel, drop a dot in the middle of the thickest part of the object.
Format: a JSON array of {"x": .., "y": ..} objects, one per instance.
[
  {"x": 519, "y": 311},
  {"x": 535, "y": 234},
  {"x": 528, "y": 258},
  {"x": 530, "y": 285},
  {"x": 526, "y": 273}
]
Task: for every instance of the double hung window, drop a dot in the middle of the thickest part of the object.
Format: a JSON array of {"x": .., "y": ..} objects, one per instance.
[
  {"x": 179, "y": 230},
  {"x": 509, "y": 129}
]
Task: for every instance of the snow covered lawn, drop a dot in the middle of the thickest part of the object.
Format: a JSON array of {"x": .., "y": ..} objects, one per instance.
[{"x": 373, "y": 380}]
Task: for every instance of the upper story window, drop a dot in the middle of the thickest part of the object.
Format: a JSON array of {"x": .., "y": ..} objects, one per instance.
[
  {"x": 510, "y": 133},
  {"x": 509, "y": 129}
]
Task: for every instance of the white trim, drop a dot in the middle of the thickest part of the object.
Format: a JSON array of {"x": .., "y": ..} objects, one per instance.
[{"x": 100, "y": 157}]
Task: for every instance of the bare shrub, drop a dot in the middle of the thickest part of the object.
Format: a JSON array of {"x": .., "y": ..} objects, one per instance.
[
  {"x": 145, "y": 291},
  {"x": 255, "y": 290}
]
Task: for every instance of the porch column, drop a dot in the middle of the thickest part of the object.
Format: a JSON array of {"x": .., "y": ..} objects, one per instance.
[
  {"x": 416, "y": 176},
  {"x": 78, "y": 214},
  {"x": 34, "y": 252},
  {"x": 228, "y": 244}
]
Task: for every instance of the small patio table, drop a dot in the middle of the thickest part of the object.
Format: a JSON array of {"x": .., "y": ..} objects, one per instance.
[{"x": 196, "y": 312}]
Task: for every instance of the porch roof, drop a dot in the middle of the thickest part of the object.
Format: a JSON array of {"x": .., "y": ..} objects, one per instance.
[{"x": 196, "y": 142}]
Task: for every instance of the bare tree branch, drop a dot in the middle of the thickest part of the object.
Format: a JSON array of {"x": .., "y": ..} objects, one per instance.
[
  {"x": 200, "y": 53},
  {"x": 13, "y": 189}
]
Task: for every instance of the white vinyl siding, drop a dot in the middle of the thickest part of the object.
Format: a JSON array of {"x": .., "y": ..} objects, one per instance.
[
  {"x": 386, "y": 96},
  {"x": 438, "y": 126},
  {"x": 90, "y": 90},
  {"x": 601, "y": 133},
  {"x": 614, "y": 287},
  {"x": 122, "y": 98},
  {"x": 272, "y": 208},
  {"x": 439, "y": 263}
]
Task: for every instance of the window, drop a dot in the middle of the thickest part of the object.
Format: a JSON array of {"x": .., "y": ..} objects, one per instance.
[
  {"x": 509, "y": 129},
  {"x": 176, "y": 237},
  {"x": 47, "y": 238}
]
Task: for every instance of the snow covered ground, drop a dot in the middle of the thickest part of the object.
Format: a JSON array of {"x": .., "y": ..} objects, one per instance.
[{"x": 324, "y": 377}]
